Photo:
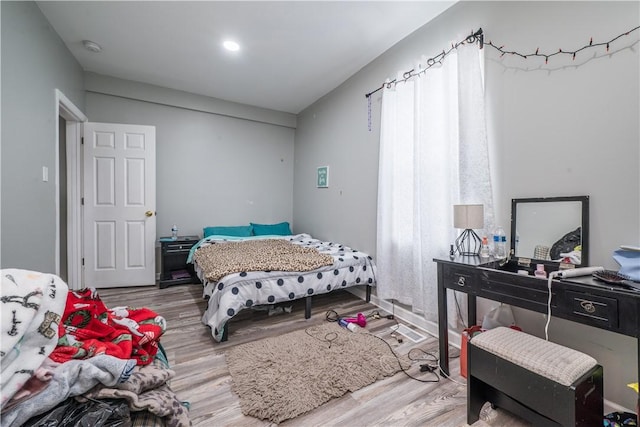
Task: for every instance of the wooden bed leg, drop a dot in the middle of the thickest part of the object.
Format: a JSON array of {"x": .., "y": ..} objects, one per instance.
[
  {"x": 368, "y": 297},
  {"x": 307, "y": 307}
]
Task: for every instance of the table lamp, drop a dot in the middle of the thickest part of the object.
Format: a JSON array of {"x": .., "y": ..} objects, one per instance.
[{"x": 468, "y": 217}]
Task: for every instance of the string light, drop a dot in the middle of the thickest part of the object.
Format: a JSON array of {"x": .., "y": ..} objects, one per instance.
[
  {"x": 478, "y": 37},
  {"x": 560, "y": 51}
]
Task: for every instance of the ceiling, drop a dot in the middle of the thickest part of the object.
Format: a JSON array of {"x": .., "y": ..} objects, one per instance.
[{"x": 292, "y": 52}]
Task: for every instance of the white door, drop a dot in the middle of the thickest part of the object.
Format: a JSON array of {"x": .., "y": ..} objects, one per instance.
[{"x": 119, "y": 222}]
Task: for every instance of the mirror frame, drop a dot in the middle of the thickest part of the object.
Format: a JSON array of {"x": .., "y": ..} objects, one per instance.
[{"x": 584, "y": 200}]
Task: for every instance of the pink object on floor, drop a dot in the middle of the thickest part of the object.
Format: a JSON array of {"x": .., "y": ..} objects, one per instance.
[{"x": 360, "y": 320}]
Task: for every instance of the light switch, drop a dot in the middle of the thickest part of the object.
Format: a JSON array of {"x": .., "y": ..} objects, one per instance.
[{"x": 45, "y": 174}]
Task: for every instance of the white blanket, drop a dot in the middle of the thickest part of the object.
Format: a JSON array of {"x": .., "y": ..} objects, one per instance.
[{"x": 32, "y": 305}]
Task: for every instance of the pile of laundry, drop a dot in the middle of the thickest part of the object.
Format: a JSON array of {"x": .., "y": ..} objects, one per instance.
[{"x": 64, "y": 353}]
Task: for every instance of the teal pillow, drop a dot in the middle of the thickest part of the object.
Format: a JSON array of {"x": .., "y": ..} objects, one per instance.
[
  {"x": 237, "y": 231},
  {"x": 280, "y": 229}
]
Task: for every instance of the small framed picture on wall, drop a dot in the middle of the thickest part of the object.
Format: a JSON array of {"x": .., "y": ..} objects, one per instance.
[{"x": 322, "y": 179}]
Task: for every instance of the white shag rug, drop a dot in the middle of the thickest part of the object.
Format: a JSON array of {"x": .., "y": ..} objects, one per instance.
[{"x": 282, "y": 377}]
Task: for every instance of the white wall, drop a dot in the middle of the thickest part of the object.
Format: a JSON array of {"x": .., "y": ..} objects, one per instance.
[
  {"x": 35, "y": 62},
  {"x": 212, "y": 169},
  {"x": 570, "y": 129}
]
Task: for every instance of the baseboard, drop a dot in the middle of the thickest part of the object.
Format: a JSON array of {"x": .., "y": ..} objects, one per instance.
[
  {"x": 412, "y": 318},
  {"x": 610, "y": 406}
]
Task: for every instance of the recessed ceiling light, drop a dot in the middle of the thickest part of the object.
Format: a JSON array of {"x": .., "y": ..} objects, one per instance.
[
  {"x": 231, "y": 45},
  {"x": 92, "y": 46}
]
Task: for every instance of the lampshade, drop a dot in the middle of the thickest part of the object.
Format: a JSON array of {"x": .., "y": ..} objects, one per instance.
[{"x": 468, "y": 216}]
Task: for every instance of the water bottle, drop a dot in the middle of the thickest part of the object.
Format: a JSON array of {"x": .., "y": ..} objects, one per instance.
[
  {"x": 484, "y": 249},
  {"x": 174, "y": 232},
  {"x": 499, "y": 243}
]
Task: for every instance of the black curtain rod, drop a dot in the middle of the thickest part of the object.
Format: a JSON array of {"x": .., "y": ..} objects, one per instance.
[{"x": 474, "y": 37}]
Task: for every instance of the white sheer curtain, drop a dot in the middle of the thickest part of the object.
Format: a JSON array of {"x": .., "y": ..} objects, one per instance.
[{"x": 433, "y": 154}]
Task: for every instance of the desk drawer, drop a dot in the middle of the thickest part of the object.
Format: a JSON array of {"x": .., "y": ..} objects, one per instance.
[
  {"x": 177, "y": 247},
  {"x": 600, "y": 310},
  {"x": 462, "y": 279},
  {"x": 521, "y": 291}
]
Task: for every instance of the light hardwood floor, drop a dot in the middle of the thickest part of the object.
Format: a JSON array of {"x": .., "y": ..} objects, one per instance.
[{"x": 202, "y": 377}]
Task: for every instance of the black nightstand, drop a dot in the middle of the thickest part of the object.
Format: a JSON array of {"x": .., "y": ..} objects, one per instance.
[{"x": 173, "y": 254}]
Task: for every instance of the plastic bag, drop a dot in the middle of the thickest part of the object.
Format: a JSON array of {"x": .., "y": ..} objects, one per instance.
[
  {"x": 629, "y": 263},
  {"x": 499, "y": 316},
  {"x": 92, "y": 413},
  {"x": 620, "y": 419},
  {"x": 566, "y": 244},
  {"x": 467, "y": 334}
]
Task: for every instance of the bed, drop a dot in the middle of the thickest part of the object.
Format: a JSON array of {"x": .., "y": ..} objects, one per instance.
[{"x": 247, "y": 286}]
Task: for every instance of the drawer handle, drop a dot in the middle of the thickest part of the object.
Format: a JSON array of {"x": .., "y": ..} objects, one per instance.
[
  {"x": 461, "y": 280},
  {"x": 588, "y": 306}
]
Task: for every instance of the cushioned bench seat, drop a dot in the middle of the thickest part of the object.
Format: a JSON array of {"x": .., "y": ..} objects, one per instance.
[{"x": 544, "y": 382}]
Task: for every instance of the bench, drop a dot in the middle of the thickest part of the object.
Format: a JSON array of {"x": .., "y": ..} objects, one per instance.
[{"x": 543, "y": 382}]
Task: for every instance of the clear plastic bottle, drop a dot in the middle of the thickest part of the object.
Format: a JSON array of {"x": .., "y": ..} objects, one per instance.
[
  {"x": 499, "y": 243},
  {"x": 174, "y": 232},
  {"x": 484, "y": 249}
]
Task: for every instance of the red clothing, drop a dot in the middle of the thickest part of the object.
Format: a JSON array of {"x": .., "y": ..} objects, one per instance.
[{"x": 88, "y": 328}]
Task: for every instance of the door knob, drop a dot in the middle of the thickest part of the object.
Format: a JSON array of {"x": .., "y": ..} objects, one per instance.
[{"x": 148, "y": 213}]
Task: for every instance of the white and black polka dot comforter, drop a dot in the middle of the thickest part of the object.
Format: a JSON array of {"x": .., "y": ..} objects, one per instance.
[{"x": 238, "y": 291}]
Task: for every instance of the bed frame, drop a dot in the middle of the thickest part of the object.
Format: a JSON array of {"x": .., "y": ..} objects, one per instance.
[
  {"x": 307, "y": 312},
  {"x": 236, "y": 291}
]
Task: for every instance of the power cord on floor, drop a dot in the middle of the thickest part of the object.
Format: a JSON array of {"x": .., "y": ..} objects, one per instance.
[
  {"x": 450, "y": 378},
  {"x": 428, "y": 369},
  {"x": 374, "y": 314},
  {"x": 394, "y": 329},
  {"x": 433, "y": 363},
  {"x": 423, "y": 355},
  {"x": 331, "y": 316},
  {"x": 329, "y": 337}
]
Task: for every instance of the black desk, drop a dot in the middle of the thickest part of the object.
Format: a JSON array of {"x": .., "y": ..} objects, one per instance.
[{"x": 579, "y": 299}]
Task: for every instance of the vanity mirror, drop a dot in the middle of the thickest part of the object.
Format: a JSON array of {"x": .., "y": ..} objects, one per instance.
[{"x": 543, "y": 228}]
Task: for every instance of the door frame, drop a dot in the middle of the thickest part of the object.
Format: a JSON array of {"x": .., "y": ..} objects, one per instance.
[{"x": 74, "y": 117}]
